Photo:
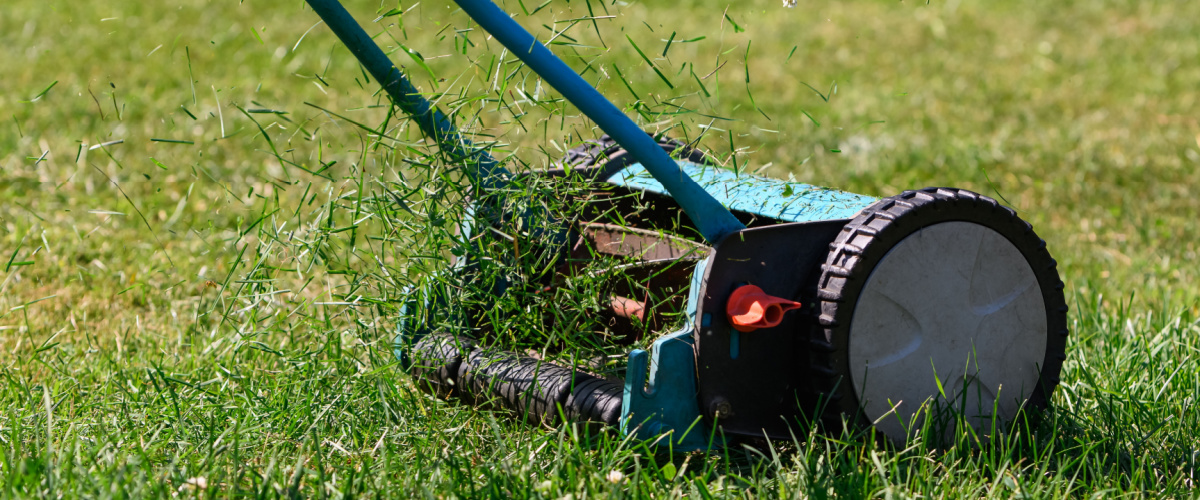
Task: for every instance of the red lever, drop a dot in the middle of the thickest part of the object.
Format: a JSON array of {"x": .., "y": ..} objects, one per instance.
[{"x": 750, "y": 308}]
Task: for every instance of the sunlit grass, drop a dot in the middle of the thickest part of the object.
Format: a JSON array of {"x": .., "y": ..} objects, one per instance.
[{"x": 184, "y": 298}]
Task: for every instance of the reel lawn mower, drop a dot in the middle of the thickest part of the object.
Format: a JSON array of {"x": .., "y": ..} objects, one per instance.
[{"x": 804, "y": 304}]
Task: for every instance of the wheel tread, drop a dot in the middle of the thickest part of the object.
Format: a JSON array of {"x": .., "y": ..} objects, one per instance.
[{"x": 844, "y": 271}]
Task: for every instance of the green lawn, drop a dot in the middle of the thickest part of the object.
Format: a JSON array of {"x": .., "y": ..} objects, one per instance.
[{"x": 200, "y": 266}]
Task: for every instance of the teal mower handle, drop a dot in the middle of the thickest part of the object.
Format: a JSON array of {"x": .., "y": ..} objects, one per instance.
[
  {"x": 708, "y": 215},
  {"x": 712, "y": 219},
  {"x": 488, "y": 173},
  {"x": 484, "y": 172}
]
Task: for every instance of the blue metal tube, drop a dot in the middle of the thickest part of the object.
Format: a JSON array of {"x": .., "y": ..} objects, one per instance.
[
  {"x": 487, "y": 174},
  {"x": 484, "y": 171},
  {"x": 712, "y": 219}
]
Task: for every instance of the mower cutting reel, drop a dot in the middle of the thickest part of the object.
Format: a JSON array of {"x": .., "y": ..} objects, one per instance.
[{"x": 933, "y": 303}]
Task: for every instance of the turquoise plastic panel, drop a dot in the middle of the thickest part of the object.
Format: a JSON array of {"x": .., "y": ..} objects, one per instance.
[
  {"x": 664, "y": 403},
  {"x": 764, "y": 196}
]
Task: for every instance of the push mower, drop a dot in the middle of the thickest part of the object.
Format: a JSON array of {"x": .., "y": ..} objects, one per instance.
[{"x": 804, "y": 304}]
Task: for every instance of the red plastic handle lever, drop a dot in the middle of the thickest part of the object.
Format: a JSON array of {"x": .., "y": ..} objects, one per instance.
[{"x": 750, "y": 308}]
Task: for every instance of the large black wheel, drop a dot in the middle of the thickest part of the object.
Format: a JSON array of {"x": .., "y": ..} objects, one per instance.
[{"x": 938, "y": 299}]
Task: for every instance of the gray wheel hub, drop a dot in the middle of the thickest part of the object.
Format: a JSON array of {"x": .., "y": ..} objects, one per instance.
[{"x": 951, "y": 317}]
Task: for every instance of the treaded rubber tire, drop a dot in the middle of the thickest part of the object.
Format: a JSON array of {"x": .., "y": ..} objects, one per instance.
[
  {"x": 863, "y": 243},
  {"x": 436, "y": 359},
  {"x": 609, "y": 409},
  {"x": 478, "y": 376},
  {"x": 591, "y": 400},
  {"x": 534, "y": 389}
]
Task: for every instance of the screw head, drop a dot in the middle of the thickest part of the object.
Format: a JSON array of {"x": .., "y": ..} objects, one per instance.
[{"x": 719, "y": 408}]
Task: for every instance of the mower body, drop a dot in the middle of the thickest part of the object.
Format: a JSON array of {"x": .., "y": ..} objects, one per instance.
[
  {"x": 909, "y": 305},
  {"x": 755, "y": 383}
]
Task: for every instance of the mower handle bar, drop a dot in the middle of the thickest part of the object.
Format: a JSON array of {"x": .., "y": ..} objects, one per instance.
[{"x": 712, "y": 219}]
